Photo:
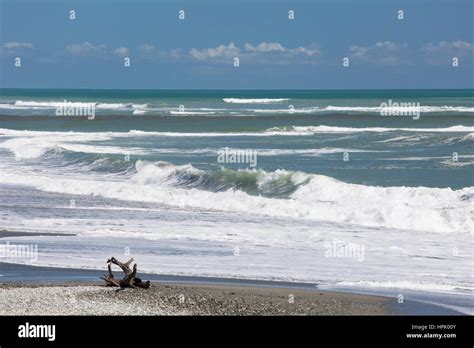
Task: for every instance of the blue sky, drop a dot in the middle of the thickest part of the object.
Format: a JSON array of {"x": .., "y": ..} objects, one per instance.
[{"x": 274, "y": 52}]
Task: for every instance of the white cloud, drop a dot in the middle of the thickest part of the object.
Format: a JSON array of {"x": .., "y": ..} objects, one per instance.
[
  {"x": 150, "y": 52},
  {"x": 382, "y": 52},
  {"x": 17, "y": 45},
  {"x": 449, "y": 47},
  {"x": 388, "y": 45},
  {"x": 443, "y": 51},
  {"x": 359, "y": 52},
  {"x": 86, "y": 49},
  {"x": 463, "y": 45},
  {"x": 121, "y": 51},
  {"x": 222, "y": 51},
  {"x": 264, "y": 53},
  {"x": 275, "y": 47},
  {"x": 147, "y": 48},
  {"x": 306, "y": 51},
  {"x": 265, "y": 47},
  {"x": 392, "y": 53},
  {"x": 176, "y": 53}
]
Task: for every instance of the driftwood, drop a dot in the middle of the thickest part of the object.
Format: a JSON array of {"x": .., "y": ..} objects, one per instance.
[{"x": 129, "y": 281}]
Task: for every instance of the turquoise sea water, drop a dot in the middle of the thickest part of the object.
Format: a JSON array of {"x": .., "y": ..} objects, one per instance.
[
  {"x": 392, "y": 156},
  {"x": 145, "y": 174}
]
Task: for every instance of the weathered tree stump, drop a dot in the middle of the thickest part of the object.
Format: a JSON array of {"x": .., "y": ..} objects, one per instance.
[{"x": 129, "y": 281}]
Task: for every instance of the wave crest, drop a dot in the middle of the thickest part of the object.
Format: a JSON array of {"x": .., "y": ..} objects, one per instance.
[
  {"x": 277, "y": 194},
  {"x": 254, "y": 100},
  {"x": 308, "y": 130}
]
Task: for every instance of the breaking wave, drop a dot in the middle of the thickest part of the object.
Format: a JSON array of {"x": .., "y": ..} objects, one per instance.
[
  {"x": 254, "y": 101},
  {"x": 302, "y": 130},
  {"x": 279, "y": 194}
]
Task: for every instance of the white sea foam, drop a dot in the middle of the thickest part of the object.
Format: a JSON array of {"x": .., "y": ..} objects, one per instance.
[
  {"x": 321, "y": 198},
  {"x": 468, "y": 137},
  {"x": 160, "y": 172},
  {"x": 405, "y": 284},
  {"x": 187, "y": 113},
  {"x": 277, "y": 131},
  {"x": 306, "y": 110},
  {"x": 138, "y": 108},
  {"x": 423, "y": 108},
  {"x": 411, "y": 138},
  {"x": 302, "y": 130},
  {"x": 460, "y": 139},
  {"x": 35, "y": 105},
  {"x": 132, "y": 133},
  {"x": 53, "y": 104},
  {"x": 307, "y": 152},
  {"x": 254, "y": 100},
  {"x": 33, "y": 144},
  {"x": 114, "y": 105},
  {"x": 332, "y": 108},
  {"x": 139, "y": 112},
  {"x": 29, "y": 148},
  {"x": 140, "y": 133}
]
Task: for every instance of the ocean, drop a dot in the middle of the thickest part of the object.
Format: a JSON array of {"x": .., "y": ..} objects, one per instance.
[{"x": 327, "y": 191}]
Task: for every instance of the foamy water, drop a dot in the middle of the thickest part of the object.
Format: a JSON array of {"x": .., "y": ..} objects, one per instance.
[{"x": 339, "y": 196}]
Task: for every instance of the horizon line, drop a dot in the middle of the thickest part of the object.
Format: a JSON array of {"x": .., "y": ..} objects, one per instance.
[{"x": 223, "y": 90}]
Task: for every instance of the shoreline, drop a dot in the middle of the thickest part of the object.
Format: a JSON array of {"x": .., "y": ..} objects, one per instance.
[
  {"x": 183, "y": 299},
  {"x": 50, "y": 288}
]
